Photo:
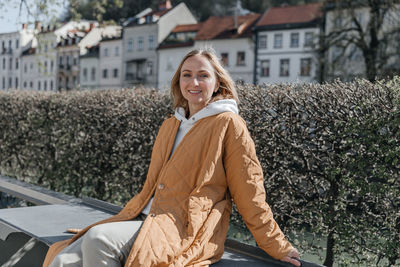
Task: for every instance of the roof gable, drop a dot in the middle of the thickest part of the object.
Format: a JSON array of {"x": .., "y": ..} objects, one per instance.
[
  {"x": 290, "y": 15},
  {"x": 224, "y": 27}
]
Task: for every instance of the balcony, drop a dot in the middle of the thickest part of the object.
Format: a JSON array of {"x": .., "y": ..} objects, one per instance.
[{"x": 134, "y": 78}]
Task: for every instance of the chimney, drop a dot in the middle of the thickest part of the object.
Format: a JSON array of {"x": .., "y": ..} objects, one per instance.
[
  {"x": 24, "y": 26},
  {"x": 37, "y": 25},
  {"x": 165, "y": 5},
  {"x": 91, "y": 26}
]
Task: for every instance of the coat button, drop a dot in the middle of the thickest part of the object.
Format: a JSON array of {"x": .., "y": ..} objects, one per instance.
[{"x": 161, "y": 186}]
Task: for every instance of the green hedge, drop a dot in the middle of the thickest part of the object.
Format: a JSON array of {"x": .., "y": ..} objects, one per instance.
[{"x": 330, "y": 153}]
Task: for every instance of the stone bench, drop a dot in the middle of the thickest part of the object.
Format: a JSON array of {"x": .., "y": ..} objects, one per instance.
[{"x": 26, "y": 232}]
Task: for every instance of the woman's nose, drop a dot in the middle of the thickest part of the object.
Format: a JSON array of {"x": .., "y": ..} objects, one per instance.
[{"x": 195, "y": 81}]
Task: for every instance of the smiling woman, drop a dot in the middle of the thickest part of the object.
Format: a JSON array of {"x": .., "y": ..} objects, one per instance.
[{"x": 202, "y": 159}]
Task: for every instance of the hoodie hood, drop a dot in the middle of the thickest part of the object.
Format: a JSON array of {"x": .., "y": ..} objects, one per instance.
[{"x": 214, "y": 108}]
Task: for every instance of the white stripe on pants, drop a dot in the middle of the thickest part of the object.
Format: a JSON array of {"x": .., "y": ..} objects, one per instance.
[{"x": 106, "y": 244}]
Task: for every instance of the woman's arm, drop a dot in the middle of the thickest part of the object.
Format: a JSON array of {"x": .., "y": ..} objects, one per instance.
[{"x": 246, "y": 185}]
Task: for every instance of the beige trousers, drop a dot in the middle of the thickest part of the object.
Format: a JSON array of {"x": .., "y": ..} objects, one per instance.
[{"x": 106, "y": 244}]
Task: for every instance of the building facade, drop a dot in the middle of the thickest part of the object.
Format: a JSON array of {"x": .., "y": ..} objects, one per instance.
[
  {"x": 143, "y": 35},
  {"x": 229, "y": 36},
  {"x": 11, "y": 47},
  {"x": 286, "y": 44}
]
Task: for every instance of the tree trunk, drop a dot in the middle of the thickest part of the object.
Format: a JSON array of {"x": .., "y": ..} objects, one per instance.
[{"x": 329, "y": 250}]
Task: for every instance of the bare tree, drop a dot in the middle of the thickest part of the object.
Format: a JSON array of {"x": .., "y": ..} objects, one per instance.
[{"x": 361, "y": 38}]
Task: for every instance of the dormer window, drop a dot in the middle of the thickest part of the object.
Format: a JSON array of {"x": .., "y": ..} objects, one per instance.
[{"x": 149, "y": 19}]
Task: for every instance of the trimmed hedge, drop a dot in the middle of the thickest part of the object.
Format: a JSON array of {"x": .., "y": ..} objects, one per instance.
[{"x": 330, "y": 153}]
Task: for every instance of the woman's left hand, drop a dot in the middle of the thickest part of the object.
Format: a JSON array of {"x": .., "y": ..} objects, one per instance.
[{"x": 292, "y": 257}]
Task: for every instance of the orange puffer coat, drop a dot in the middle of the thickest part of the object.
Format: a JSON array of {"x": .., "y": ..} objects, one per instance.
[{"x": 193, "y": 191}]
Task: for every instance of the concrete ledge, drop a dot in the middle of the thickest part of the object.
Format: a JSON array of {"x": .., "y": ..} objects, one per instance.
[{"x": 27, "y": 229}]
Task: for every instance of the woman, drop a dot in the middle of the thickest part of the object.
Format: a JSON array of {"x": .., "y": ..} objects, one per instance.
[{"x": 203, "y": 157}]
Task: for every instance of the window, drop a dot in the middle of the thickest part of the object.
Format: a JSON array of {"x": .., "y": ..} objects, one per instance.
[
  {"x": 151, "y": 42},
  {"x": 46, "y": 48},
  {"x": 25, "y": 68},
  {"x": 75, "y": 61},
  {"x": 16, "y": 82},
  {"x": 84, "y": 74},
  {"x": 45, "y": 66},
  {"x": 9, "y": 82},
  {"x": 51, "y": 85},
  {"x": 284, "y": 68},
  {"x": 93, "y": 74},
  {"x": 105, "y": 73},
  {"x": 67, "y": 60},
  {"x": 45, "y": 85},
  {"x": 115, "y": 73},
  {"x": 278, "y": 40},
  {"x": 4, "y": 63},
  {"x": 265, "y": 66},
  {"x": 10, "y": 65},
  {"x": 61, "y": 60},
  {"x": 130, "y": 45},
  {"x": 149, "y": 68},
  {"x": 294, "y": 39},
  {"x": 4, "y": 83},
  {"x": 74, "y": 81},
  {"x": 140, "y": 44},
  {"x": 225, "y": 59},
  {"x": 38, "y": 85},
  {"x": 105, "y": 52},
  {"x": 308, "y": 39},
  {"x": 305, "y": 66},
  {"x": 9, "y": 44},
  {"x": 262, "y": 42},
  {"x": 31, "y": 84},
  {"x": 25, "y": 84},
  {"x": 17, "y": 44},
  {"x": 241, "y": 58},
  {"x": 38, "y": 67},
  {"x": 116, "y": 51},
  {"x": 16, "y": 64},
  {"x": 51, "y": 66}
]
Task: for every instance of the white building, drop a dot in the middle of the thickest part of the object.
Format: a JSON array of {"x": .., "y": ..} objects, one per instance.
[
  {"x": 89, "y": 68},
  {"x": 229, "y": 36},
  {"x": 142, "y": 36},
  {"x": 74, "y": 45},
  {"x": 110, "y": 62},
  {"x": 286, "y": 39},
  {"x": 101, "y": 59},
  {"x": 11, "y": 47},
  {"x": 39, "y": 61}
]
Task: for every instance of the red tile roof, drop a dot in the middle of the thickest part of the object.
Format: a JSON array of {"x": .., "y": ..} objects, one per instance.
[
  {"x": 224, "y": 27},
  {"x": 290, "y": 14},
  {"x": 187, "y": 28}
]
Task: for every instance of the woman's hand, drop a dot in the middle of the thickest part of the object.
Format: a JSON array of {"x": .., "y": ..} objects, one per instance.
[{"x": 292, "y": 257}]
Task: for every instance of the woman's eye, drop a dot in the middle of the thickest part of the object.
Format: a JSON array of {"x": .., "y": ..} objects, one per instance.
[{"x": 186, "y": 75}]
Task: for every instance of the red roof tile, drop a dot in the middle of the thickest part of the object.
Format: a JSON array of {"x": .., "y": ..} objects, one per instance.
[
  {"x": 291, "y": 14},
  {"x": 224, "y": 27}
]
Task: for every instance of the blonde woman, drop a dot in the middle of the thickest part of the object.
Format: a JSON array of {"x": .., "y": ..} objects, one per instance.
[{"x": 203, "y": 158}]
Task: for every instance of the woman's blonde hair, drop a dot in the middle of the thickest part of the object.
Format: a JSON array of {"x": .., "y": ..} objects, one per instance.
[{"x": 226, "y": 88}]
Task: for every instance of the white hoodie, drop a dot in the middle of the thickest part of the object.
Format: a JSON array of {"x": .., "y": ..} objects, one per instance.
[{"x": 214, "y": 108}]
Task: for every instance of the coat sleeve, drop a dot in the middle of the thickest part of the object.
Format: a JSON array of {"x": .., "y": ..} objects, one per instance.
[{"x": 246, "y": 186}]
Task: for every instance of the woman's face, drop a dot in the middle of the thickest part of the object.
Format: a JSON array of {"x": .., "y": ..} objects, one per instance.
[{"x": 197, "y": 82}]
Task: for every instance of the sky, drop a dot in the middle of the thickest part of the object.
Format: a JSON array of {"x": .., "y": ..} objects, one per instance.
[{"x": 11, "y": 20}]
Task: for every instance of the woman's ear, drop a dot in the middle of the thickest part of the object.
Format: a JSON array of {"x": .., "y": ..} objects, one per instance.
[{"x": 217, "y": 86}]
